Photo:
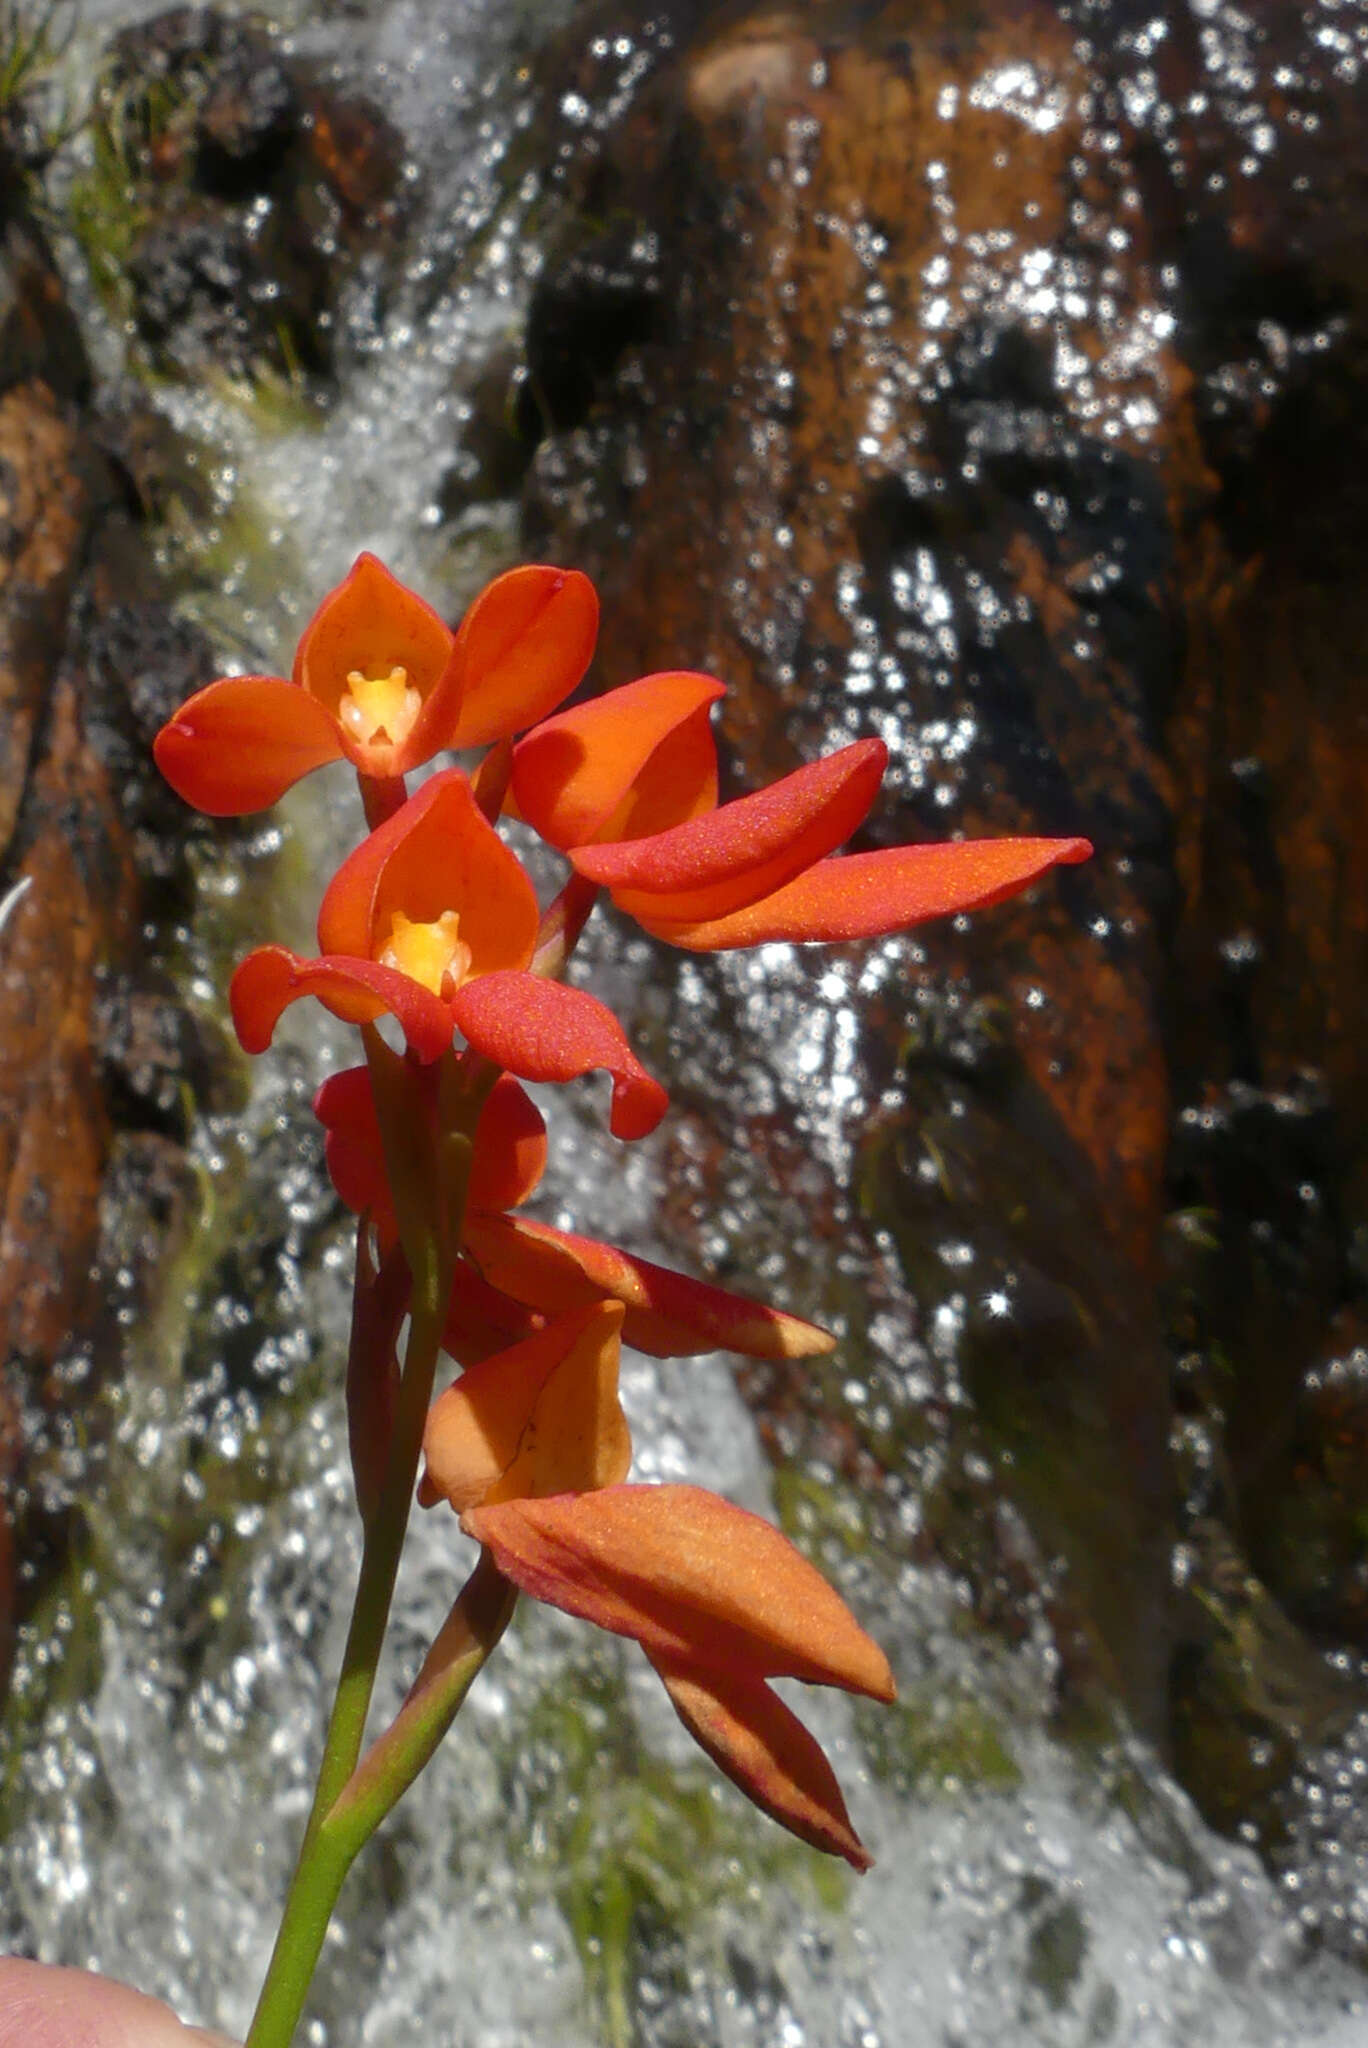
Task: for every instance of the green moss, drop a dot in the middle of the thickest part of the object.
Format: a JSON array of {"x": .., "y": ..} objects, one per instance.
[
  {"x": 638, "y": 1856},
  {"x": 104, "y": 209},
  {"x": 33, "y": 42},
  {"x": 821, "y": 1515},
  {"x": 58, "y": 1667},
  {"x": 937, "y": 1742}
]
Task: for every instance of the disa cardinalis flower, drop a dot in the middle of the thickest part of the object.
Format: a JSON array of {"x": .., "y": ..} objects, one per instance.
[
  {"x": 433, "y": 920},
  {"x": 530, "y": 1449},
  {"x": 380, "y": 680},
  {"x": 516, "y": 1271}
]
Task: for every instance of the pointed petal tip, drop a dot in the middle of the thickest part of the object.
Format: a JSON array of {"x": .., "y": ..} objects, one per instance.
[{"x": 767, "y": 1752}]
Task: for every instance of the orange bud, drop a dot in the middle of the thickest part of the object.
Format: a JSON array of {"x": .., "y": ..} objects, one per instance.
[{"x": 541, "y": 1418}]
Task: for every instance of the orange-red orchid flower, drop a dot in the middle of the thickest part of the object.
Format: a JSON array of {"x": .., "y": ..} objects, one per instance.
[
  {"x": 516, "y": 1270},
  {"x": 380, "y": 680},
  {"x": 721, "y": 1603},
  {"x": 434, "y": 921},
  {"x": 762, "y": 868}
]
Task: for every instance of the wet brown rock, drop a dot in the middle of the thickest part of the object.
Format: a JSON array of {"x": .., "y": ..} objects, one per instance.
[
  {"x": 39, "y": 336},
  {"x": 821, "y": 352},
  {"x": 956, "y": 373},
  {"x": 75, "y": 919},
  {"x": 44, "y": 514},
  {"x": 86, "y": 1038},
  {"x": 252, "y": 188}
]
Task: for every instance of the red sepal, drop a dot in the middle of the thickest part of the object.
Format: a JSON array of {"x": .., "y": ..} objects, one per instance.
[
  {"x": 766, "y": 1752},
  {"x": 238, "y": 744},
  {"x": 357, "y": 991},
  {"x": 543, "y": 1031},
  {"x": 668, "y": 1314},
  {"x": 690, "y": 1576}
]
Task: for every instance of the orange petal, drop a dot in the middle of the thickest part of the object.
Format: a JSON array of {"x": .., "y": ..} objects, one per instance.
[
  {"x": 510, "y": 1148},
  {"x": 765, "y": 1750},
  {"x": 720, "y": 862},
  {"x": 864, "y": 895},
  {"x": 544, "y": 1031},
  {"x": 480, "y": 1319},
  {"x": 352, "y": 1147},
  {"x": 372, "y": 623},
  {"x": 575, "y": 772},
  {"x": 522, "y": 647},
  {"x": 690, "y": 1576},
  {"x": 437, "y": 853},
  {"x": 238, "y": 744},
  {"x": 668, "y": 1315},
  {"x": 543, "y": 1417},
  {"x": 357, "y": 991},
  {"x": 510, "y": 1143}
]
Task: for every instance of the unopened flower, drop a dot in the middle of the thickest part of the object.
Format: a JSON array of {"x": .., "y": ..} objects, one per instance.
[
  {"x": 764, "y": 867},
  {"x": 530, "y": 1448}
]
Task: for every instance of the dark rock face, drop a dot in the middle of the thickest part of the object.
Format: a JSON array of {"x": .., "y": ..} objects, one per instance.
[
  {"x": 995, "y": 381},
  {"x": 89, "y": 1043},
  {"x": 249, "y": 189}
]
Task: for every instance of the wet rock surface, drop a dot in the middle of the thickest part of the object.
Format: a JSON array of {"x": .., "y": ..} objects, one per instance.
[
  {"x": 994, "y": 381},
  {"x": 91, "y": 1039},
  {"x": 234, "y": 192}
]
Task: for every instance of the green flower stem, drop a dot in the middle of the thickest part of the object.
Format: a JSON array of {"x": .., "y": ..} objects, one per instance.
[
  {"x": 467, "y": 1637},
  {"x": 324, "y": 1859},
  {"x": 331, "y": 1839}
]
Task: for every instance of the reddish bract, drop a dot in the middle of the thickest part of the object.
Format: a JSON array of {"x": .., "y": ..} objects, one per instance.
[{"x": 509, "y": 1154}]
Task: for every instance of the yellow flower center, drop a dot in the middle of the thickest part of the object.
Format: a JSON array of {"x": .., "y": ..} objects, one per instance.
[
  {"x": 434, "y": 954},
  {"x": 379, "y": 707}
]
